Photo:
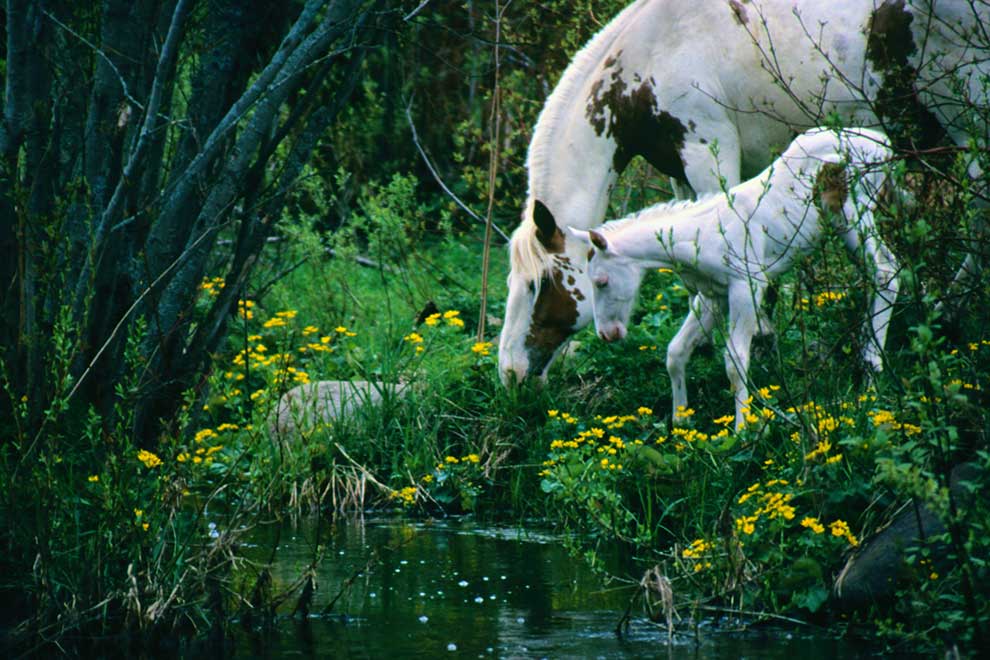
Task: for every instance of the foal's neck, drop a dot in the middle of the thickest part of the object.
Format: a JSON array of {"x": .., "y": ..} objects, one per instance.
[{"x": 653, "y": 235}]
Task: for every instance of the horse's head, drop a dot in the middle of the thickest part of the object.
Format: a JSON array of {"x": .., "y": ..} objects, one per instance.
[
  {"x": 615, "y": 281},
  {"x": 549, "y": 298}
]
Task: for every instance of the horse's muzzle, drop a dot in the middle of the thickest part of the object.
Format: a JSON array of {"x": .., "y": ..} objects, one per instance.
[{"x": 613, "y": 332}]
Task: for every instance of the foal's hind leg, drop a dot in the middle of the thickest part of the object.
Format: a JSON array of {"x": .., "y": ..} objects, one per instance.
[
  {"x": 864, "y": 243},
  {"x": 695, "y": 330}
]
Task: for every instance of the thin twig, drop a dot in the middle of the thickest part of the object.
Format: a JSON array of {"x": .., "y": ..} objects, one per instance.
[
  {"x": 436, "y": 175},
  {"x": 411, "y": 15},
  {"x": 495, "y": 124}
]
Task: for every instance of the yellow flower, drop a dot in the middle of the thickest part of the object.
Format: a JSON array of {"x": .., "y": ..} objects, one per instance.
[
  {"x": 138, "y": 513},
  {"x": 94, "y": 478},
  {"x": 453, "y": 460},
  {"x": 182, "y": 457},
  {"x": 482, "y": 348},
  {"x": 449, "y": 314},
  {"x": 472, "y": 458},
  {"x": 841, "y": 528},
  {"x": 433, "y": 319},
  {"x": 274, "y": 322},
  {"x": 455, "y": 322},
  {"x": 643, "y": 410},
  {"x": 813, "y": 525},
  {"x": 145, "y": 526},
  {"x": 413, "y": 338},
  {"x": 149, "y": 459},
  {"x": 340, "y": 329},
  {"x": 204, "y": 434},
  {"x": 552, "y": 413},
  {"x": 683, "y": 412}
]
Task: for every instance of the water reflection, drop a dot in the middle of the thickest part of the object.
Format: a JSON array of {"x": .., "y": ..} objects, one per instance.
[{"x": 455, "y": 589}]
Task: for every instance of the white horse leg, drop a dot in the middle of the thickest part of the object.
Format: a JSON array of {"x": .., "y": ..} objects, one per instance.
[
  {"x": 695, "y": 330},
  {"x": 886, "y": 286},
  {"x": 744, "y": 301}
]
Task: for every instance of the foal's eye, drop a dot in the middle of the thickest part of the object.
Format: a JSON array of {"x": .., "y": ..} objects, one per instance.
[{"x": 531, "y": 287}]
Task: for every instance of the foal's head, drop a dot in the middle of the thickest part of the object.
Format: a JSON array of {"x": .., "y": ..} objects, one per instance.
[
  {"x": 615, "y": 281},
  {"x": 549, "y": 298}
]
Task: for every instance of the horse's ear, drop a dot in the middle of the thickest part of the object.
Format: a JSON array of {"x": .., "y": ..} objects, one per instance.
[
  {"x": 598, "y": 240},
  {"x": 546, "y": 226},
  {"x": 580, "y": 235}
]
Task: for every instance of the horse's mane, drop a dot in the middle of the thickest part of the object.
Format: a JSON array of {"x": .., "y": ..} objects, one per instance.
[
  {"x": 658, "y": 210},
  {"x": 527, "y": 256}
]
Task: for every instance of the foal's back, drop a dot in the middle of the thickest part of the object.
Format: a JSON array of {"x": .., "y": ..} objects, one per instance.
[{"x": 823, "y": 176}]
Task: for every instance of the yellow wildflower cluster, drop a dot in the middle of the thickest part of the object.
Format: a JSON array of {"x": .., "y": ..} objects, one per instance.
[
  {"x": 205, "y": 434},
  {"x": 93, "y": 478},
  {"x": 291, "y": 373},
  {"x": 406, "y": 495},
  {"x": 841, "y": 528},
  {"x": 614, "y": 422},
  {"x": 149, "y": 459},
  {"x": 696, "y": 552},
  {"x": 566, "y": 417},
  {"x": 813, "y": 524},
  {"x": 697, "y": 549},
  {"x": 415, "y": 339},
  {"x": 245, "y": 309},
  {"x": 609, "y": 465},
  {"x": 886, "y": 419},
  {"x": 451, "y": 317},
  {"x": 827, "y": 297},
  {"x": 472, "y": 458},
  {"x": 212, "y": 286},
  {"x": 482, "y": 348},
  {"x": 772, "y": 505}
]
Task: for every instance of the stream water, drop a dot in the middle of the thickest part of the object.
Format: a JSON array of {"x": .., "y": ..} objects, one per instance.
[{"x": 458, "y": 589}]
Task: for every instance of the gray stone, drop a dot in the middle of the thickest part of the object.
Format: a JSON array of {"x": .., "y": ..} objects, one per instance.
[{"x": 306, "y": 407}]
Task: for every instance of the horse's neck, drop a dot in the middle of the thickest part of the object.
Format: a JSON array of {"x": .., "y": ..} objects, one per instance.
[
  {"x": 576, "y": 179},
  {"x": 655, "y": 238}
]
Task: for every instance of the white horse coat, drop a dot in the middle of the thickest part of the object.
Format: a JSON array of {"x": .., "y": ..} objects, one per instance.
[
  {"x": 728, "y": 247},
  {"x": 705, "y": 90}
]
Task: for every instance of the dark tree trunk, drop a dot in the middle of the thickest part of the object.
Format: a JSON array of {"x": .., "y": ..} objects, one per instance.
[{"x": 134, "y": 133}]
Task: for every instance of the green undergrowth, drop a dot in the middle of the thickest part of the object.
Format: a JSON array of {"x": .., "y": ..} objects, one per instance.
[{"x": 757, "y": 520}]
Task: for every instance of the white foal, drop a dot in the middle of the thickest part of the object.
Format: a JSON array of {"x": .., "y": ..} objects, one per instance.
[{"x": 726, "y": 248}]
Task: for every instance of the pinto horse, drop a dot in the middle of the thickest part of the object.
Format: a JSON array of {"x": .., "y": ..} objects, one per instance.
[
  {"x": 705, "y": 91},
  {"x": 728, "y": 247}
]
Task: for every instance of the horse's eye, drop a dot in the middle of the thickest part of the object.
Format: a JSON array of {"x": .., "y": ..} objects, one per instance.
[{"x": 532, "y": 288}]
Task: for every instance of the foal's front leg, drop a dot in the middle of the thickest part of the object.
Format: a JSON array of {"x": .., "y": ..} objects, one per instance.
[
  {"x": 744, "y": 303},
  {"x": 695, "y": 330}
]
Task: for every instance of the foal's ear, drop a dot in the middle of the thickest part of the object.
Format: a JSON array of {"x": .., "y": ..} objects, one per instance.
[
  {"x": 580, "y": 235},
  {"x": 546, "y": 225},
  {"x": 598, "y": 240}
]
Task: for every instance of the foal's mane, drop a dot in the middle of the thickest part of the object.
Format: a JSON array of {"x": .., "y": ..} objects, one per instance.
[
  {"x": 527, "y": 256},
  {"x": 656, "y": 211}
]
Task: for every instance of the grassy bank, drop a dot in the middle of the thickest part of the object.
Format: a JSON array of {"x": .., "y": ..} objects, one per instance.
[{"x": 757, "y": 520}]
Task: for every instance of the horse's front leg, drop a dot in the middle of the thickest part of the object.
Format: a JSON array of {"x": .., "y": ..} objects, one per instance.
[
  {"x": 744, "y": 303},
  {"x": 695, "y": 330}
]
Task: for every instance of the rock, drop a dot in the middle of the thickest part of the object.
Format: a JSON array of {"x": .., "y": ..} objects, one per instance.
[
  {"x": 305, "y": 407},
  {"x": 871, "y": 575}
]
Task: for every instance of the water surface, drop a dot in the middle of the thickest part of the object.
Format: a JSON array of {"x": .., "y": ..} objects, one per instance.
[{"x": 457, "y": 589}]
